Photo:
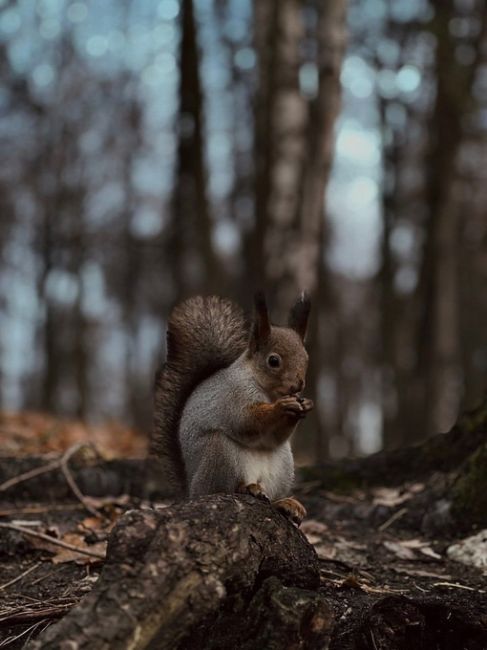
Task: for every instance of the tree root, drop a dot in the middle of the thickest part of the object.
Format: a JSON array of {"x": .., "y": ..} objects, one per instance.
[{"x": 181, "y": 573}]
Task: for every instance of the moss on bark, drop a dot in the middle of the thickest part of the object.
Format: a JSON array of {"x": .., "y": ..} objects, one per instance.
[{"x": 469, "y": 493}]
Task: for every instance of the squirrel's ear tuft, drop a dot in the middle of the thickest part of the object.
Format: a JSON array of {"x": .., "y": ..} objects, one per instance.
[
  {"x": 299, "y": 314},
  {"x": 261, "y": 328}
]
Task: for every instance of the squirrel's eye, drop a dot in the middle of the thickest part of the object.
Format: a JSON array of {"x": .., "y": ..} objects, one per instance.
[{"x": 274, "y": 361}]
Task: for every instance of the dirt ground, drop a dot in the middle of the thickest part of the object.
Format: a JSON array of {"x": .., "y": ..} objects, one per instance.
[
  {"x": 364, "y": 560},
  {"x": 383, "y": 558}
]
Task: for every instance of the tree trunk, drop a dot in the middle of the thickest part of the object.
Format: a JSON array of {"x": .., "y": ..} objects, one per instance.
[
  {"x": 294, "y": 148},
  {"x": 288, "y": 118},
  {"x": 191, "y": 251},
  {"x": 438, "y": 365},
  {"x": 294, "y": 143},
  {"x": 265, "y": 29},
  {"x": 310, "y": 272},
  {"x": 388, "y": 301},
  {"x": 323, "y": 112},
  {"x": 131, "y": 261},
  {"x": 49, "y": 344},
  {"x": 81, "y": 344}
]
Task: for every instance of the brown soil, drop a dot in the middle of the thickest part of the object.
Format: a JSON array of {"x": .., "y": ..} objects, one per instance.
[{"x": 443, "y": 604}]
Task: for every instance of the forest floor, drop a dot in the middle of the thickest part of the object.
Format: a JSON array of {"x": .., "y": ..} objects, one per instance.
[{"x": 384, "y": 562}]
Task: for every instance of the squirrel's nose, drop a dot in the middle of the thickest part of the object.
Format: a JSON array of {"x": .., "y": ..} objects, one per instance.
[{"x": 298, "y": 387}]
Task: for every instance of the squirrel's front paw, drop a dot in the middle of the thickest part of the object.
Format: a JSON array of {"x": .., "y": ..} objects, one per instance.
[
  {"x": 254, "y": 489},
  {"x": 294, "y": 406},
  {"x": 291, "y": 508},
  {"x": 306, "y": 404}
]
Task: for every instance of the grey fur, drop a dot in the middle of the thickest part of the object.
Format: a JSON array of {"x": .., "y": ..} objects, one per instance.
[
  {"x": 204, "y": 334},
  {"x": 217, "y": 455},
  {"x": 212, "y": 429}
]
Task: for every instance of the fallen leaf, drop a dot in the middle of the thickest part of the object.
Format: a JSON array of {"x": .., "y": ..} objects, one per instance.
[
  {"x": 400, "y": 551},
  {"x": 325, "y": 551},
  {"x": 314, "y": 530},
  {"x": 62, "y": 555},
  {"x": 91, "y": 523},
  {"x": 342, "y": 550},
  {"x": 413, "y": 543},
  {"x": 351, "y": 582},
  {"x": 471, "y": 551},
  {"x": 103, "y": 502},
  {"x": 390, "y": 497},
  {"x": 405, "y": 549},
  {"x": 30, "y": 433},
  {"x": 426, "y": 550},
  {"x": 416, "y": 488},
  {"x": 357, "y": 495},
  {"x": 419, "y": 573}
]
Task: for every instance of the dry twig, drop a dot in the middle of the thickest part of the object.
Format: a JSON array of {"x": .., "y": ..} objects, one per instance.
[
  {"x": 62, "y": 464},
  {"x": 52, "y": 540},
  {"x": 397, "y": 515},
  {"x": 22, "y": 615},
  {"x": 11, "y": 639},
  {"x": 70, "y": 480},
  {"x": 30, "y": 474},
  {"x": 456, "y": 585},
  {"x": 19, "y": 577}
]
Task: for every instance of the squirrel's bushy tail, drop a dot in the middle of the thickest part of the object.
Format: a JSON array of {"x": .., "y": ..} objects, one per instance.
[{"x": 204, "y": 334}]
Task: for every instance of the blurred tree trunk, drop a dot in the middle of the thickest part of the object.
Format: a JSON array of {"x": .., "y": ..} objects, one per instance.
[
  {"x": 294, "y": 143},
  {"x": 388, "y": 301},
  {"x": 294, "y": 147},
  {"x": 287, "y": 139},
  {"x": 311, "y": 271},
  {"x": 193, "y": 258},
  {"x": 50, "y": 364},
  {"x": 81, "y": 346},
  {"x": 9, "y": 216},
  {"x": 131, "y": 262},
  {"x": 241, "y": 196},
  {"x": 46, "y": 174},
  {"x": 265, "y": 35},
  {"x": 437, "y": 384},
  {"x": 323, "y": 112},
  {"x": 473, "y": 280}
]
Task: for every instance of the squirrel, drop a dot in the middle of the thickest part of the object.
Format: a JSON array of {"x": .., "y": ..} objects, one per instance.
[{"x": 228, "y": 399}]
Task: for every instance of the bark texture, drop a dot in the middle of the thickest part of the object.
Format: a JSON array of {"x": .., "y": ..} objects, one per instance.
[{"x": 194, "y": 568}]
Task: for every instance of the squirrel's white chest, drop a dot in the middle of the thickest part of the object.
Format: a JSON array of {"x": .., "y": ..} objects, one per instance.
[{"x": 266, "y": 468}]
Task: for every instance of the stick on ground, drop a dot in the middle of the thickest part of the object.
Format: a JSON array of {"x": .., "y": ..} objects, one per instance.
[{"x": 52, "y": 540}]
